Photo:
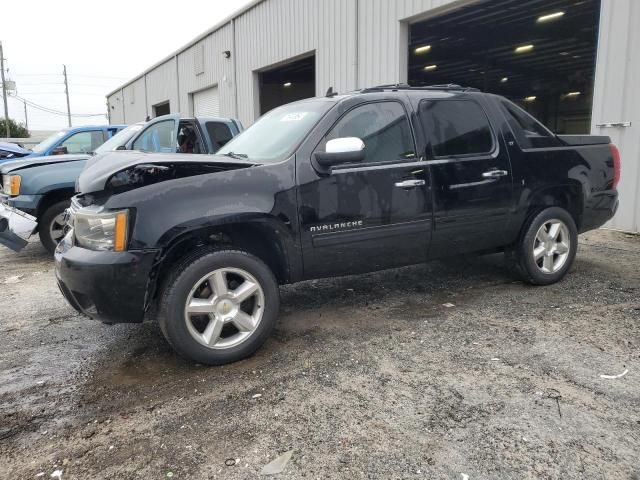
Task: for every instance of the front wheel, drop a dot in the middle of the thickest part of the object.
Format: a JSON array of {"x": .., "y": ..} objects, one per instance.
[
  {"x": 51, "y": 225},
  {"x": 547, "y": 248},
  {"x": 219, "y": 306}
]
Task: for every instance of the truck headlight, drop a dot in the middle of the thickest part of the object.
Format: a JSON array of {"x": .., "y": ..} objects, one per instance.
[
  {"x": 101, "y": 231},
  {"x": 11, "y": 185}
]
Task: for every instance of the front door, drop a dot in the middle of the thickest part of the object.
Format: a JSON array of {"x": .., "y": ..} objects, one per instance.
[
  {"x": 471, "y": 171},
  {"x": 370, "y": 215}
]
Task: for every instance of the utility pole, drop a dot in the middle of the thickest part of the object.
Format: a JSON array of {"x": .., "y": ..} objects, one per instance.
[
  {"x": 4, "y": 91},
  {"x": 66, "y": 91},
  {"x": 26, "y": 119}
]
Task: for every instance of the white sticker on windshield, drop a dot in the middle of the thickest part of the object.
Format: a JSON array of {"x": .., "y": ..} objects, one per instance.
[{"x": 293, "y": 117}]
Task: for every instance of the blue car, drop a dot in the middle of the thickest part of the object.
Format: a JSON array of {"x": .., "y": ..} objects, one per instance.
[{"x": 76, "y": 141}]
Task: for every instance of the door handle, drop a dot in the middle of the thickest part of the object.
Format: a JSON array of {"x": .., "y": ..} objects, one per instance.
[
  {"x": 410, "y": 183},
  {"x": 495, "y": 174}
]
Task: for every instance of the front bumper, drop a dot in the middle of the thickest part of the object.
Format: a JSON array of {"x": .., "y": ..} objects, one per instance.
[
  {"x": 15, "y": 227},
  {"x": 107, "y": 286}
]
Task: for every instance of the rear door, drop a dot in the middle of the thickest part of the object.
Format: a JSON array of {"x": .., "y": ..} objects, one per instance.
[
  {"x": 472, "y": 178},
  {"x": 369, "y": 215}
]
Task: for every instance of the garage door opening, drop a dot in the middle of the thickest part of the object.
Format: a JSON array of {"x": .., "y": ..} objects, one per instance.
[
  {"x": 161, "y": 109},
  {"x": 287, "y": 83},
  {"x": 540, "y": 54}
]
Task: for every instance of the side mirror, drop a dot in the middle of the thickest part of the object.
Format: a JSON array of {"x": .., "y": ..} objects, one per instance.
[
  {"x": 59, "y": 151},
  {"x": 121, "y": 147},
  {"x": 340, "y": 150}
]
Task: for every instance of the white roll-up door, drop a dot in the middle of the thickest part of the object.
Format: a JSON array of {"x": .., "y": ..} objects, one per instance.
[{"x": 206, "y": 103}]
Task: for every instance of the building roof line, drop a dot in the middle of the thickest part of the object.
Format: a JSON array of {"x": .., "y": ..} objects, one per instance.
[{"x": 191, "y": 43}]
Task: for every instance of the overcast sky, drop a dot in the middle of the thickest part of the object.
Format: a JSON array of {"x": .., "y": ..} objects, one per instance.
[{"x": 103, "y": 45}]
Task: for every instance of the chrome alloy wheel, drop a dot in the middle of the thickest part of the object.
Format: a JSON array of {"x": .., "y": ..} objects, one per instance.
[
  {"x": 224, "y": 308},
  {"x": 56, "y": 227},
  {"x": 551, "y": 246}
]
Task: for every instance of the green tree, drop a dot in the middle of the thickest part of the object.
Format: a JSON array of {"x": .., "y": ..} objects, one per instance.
[{"x": 16, "y": 130}]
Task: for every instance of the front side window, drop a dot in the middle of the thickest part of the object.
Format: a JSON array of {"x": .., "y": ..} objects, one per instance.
[
  {"x": 528, "y": 131},
  {"x": 384, "y": 129},
  {"x": 456, "y": 127},
  {"x": 84, "y": 142},
  {"x": 160, "y": 137}
]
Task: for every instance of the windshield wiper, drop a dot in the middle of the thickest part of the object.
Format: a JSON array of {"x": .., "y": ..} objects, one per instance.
[{"x": 237, "y": 156}]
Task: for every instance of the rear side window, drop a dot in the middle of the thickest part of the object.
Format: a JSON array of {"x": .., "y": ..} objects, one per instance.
[
  {"x": 456, "y": 127},
  {"x": 219, "y": 133},
  {"x": 528, "y": 131},
  {"x": 384, "y": 129}
]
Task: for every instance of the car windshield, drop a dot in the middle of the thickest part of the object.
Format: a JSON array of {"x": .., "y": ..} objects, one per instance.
[
  {"x": 276, "y": 135},
  {"x": 119, "y": 139},
  {"x": 48, "y": 142}
]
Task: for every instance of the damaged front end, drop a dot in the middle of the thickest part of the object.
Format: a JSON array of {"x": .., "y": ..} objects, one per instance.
[
  {"x": 16, "y": 227},
  {"x": 145, "y": 174}
]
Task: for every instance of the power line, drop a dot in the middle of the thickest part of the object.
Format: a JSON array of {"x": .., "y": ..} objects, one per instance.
[{"x": 53, "y": 111}]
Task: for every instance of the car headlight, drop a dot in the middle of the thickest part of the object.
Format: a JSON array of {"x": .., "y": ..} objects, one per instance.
[
  {"x": 101, "y": 231},
  {"x": 11, "y": 185}
]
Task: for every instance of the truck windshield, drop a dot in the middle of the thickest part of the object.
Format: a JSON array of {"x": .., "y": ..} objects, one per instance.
[
  {"x": 48, "y": 142},
  {"x": 119, "y": 139},
  {"x": 277, "y": 134}
]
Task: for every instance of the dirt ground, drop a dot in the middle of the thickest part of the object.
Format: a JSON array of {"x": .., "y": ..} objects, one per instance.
[{"x": 445, "y": 370}]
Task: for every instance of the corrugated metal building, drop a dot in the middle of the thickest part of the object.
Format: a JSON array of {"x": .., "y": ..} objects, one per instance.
[{"x": 579, "y": 70}]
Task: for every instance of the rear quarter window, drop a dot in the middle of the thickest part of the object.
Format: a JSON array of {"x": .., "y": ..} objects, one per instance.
[{"x": 529, "y": 132}]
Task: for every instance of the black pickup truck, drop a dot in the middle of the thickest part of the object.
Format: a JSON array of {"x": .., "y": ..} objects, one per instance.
[{"x": 339, "y": 185}]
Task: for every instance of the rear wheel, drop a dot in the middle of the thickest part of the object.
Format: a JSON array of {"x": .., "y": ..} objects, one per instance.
[
  {"x": 51, "y": 225},
  {"x": 219, "y": 306},
  {"x": 547, "y": 248}
]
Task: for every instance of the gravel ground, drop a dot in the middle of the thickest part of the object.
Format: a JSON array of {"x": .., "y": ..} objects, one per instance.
[{"x": 444, "y": 370}]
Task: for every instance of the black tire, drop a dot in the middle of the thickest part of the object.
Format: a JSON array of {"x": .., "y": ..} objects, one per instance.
[
  {"x": 176, "y": 290},
  {"x": 44, "y": 225},
  {"x": 521, "y": 257}
]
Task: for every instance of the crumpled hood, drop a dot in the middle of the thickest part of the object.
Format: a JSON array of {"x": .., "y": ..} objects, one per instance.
[
  {"x": 31, "y": 162},
  {"x": 125, "y": 170},
  {"x": 15, "y": 149}
]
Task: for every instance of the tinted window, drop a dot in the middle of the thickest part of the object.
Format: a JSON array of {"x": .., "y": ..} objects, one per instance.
[
  {"x": 219, "y": 133},
  {"x": 160, "y": 137},
  {"x": 528, "y": 131},
  {"x": 384, "y": 129},
  {"x": 83, "y": 142},
  {"x": 456, "y": 127}
]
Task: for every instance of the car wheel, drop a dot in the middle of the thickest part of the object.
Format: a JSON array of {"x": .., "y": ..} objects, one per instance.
[
  {"x": 51, "y": 225},
  {"x": 218, "y": 306},
  {"x": 547, "y": 247}
]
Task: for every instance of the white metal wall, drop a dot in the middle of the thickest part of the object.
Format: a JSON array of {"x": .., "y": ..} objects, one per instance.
[
  {"x": 617, "y": 99},
  {"x": 134, "y": 100},
  {"x": 277, "y": 30},
  {"x": 218, "y": 70},
  {"x": 361, "y": 43}
]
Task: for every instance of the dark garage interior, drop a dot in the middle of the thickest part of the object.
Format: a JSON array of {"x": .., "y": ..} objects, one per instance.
[
  {"x": 287, "y": 83},
  {"x": 539, "y": 53}
]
